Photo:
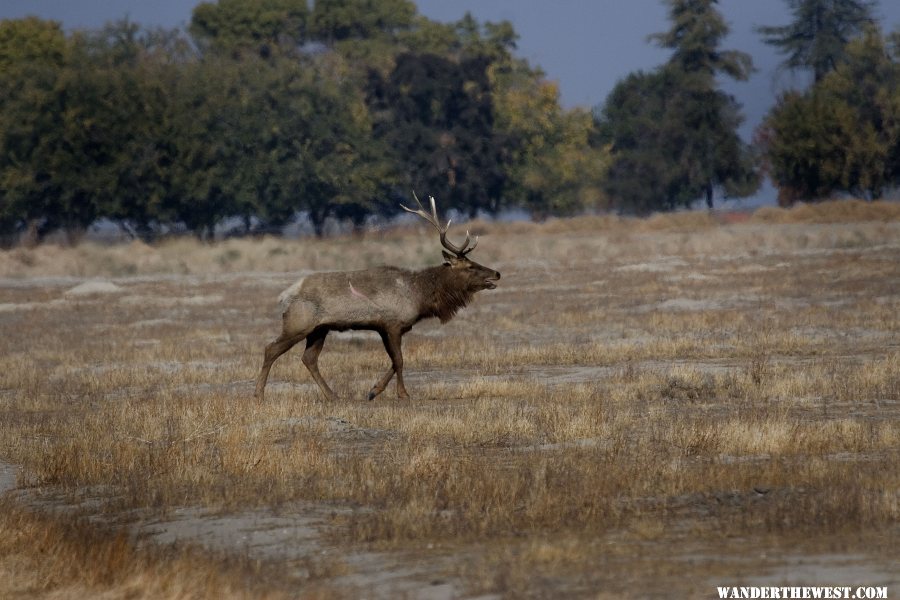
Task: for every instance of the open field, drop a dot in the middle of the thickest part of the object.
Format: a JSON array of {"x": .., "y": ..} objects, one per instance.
[{"x": 642, "y": 408}]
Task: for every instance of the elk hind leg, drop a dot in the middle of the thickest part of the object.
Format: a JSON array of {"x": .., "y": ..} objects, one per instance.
[{"x": 381, "y": 384}]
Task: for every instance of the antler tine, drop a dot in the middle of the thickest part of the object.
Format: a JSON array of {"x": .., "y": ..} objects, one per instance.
[
  {"x": 434, "y": 214},
  {"x": 475, "y": 243},
  {"x": 457, "y": 250},
  {"x": 433, "y": 219}
]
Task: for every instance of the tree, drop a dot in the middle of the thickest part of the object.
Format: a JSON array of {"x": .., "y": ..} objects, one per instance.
[
  {"x": 697, "y": 30},
  {"x": 129, "y": 75},
  {"x": 283, "y": 134},
  {"x": 643, "y": 174},
  {"x": 272, "y": 109},
  {"x": 554, "y": 169},
  {"x": 844, "y": 133},
  {"x": 264, "y": 139},
  {"x": 322, "y": 156},
  {"x": 803, "y": 142},
  {"x": 868, "y": 84},
  {"x": 46, "y": 147},
  {"x": 205, "y": 152},
  {"x": 817, "y": 37},
  {"x": 437, "y": 116},
  {"x": 673, "y": 134},
  {"x": 33, "y": 53}
]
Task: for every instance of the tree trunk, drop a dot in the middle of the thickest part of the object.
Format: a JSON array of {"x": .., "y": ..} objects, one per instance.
[
  {"x": 317, "y": 218},
  {"x": 31, "y": 237}
]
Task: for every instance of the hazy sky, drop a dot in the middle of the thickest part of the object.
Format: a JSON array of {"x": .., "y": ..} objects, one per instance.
[{"x": 585, "y": 45}]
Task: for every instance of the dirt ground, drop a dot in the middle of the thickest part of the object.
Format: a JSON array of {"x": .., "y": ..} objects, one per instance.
[{"x": 639, "y": 410}]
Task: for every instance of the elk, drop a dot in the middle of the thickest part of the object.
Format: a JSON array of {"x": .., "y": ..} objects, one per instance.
[{"x": 388, "y": 300}]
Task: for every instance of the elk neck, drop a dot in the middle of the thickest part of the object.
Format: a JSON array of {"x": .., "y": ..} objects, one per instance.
[{"x": 442, "y": 292}]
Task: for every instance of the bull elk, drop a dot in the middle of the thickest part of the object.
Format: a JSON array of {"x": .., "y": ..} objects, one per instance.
[{"x": 388, "y": 300}]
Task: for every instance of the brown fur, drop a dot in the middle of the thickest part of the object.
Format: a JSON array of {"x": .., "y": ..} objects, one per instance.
[
  {"x": 388, "y": 300},
  {"x": 444, "y": 292}
]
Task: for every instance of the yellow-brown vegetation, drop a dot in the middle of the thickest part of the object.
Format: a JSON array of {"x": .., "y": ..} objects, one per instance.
[{"x": 631, "y": 387}]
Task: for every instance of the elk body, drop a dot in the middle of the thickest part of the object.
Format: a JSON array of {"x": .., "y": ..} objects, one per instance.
[{"x": 388, "y": 300}]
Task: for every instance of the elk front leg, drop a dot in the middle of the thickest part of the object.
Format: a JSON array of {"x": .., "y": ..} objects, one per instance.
[
  {"x": 314, "y": 344},
  {"x": 279, "y": 346},
  {"x": 391, "y": 342}
]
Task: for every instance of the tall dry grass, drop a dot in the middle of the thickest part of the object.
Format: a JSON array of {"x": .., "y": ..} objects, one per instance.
[{"x": 43, "y": 556}]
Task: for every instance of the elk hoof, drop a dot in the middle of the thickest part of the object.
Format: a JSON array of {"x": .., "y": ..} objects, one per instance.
[{"x": 371, "y": 395}]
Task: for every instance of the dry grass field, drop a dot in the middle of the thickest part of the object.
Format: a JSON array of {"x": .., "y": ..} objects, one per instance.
[{"x": 642, "y": 408}]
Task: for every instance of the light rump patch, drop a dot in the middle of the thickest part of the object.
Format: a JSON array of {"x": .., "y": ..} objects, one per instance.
[{"x": 287, "y": 296}]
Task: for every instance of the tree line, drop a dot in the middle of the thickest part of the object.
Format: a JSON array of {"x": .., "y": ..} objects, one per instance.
[{"x": 263, "y": 110}]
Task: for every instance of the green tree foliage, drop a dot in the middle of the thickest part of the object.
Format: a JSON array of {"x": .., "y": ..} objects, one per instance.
[
  {"x": 260, "y": 26},
  {"x": 635, "y": 120},
  {"x": 843, "y": 135},
  {"x": 82, "y": 134},
  {"x": 437, "y": 117},
  {"x": 321, "y": 155},
  {"x": 48, "y": 140},
  {"x": 555, "y": 170},
  {"x": 818, "y": 35},
  {"x": 125, "y": 81},
  {"x": 697, "y": 30},
  {"x": 33, "y": 54},
  {"x": 803, "y": 143},
  {"x": 261, "y": 140},
  {"x": 334, "y": 21},
  {"x": 366, "y": 33},
  {"x": 672, "y": 132},
  {"x": 273, "y": 133}
]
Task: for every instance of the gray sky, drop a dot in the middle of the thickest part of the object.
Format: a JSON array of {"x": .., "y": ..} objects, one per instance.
[{"x": 585, "y": 45}]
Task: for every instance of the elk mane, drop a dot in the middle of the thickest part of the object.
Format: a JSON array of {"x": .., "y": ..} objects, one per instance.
[{"x": 446, "y": 293}]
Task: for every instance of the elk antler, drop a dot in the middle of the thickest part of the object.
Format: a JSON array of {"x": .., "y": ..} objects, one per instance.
[{"x": 433, "y": 219}]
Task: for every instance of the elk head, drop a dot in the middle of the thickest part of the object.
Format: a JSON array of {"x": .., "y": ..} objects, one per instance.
[{"x": 474, "y": 277}]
